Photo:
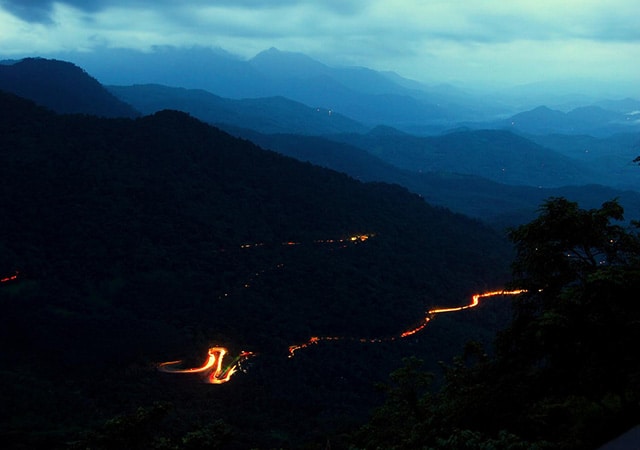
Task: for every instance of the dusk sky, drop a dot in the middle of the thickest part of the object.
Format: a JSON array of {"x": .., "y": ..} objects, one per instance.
[{"x": 493, "y": 41}]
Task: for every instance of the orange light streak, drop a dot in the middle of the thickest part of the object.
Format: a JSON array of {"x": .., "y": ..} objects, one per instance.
[
  {"x": 475, "y": 301},
  {"x": 212, "y": 368},
  {"x": 417, "y": 329}
]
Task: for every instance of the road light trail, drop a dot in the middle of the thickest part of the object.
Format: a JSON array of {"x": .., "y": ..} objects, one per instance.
[
  {"x": 212, "y": 369},
  {"x": 475, "y": 301},
  {"x": 10, "y": 278}
]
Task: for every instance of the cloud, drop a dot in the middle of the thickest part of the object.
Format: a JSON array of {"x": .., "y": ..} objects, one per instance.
[
  {"x": 471, "y": 20},
  {"x": 41, "y": 11},
  {"x": 413, "y": 37},
  {"x": 29, "y": 10}
]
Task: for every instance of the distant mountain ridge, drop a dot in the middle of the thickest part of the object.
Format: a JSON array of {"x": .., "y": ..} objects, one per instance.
[
  {"x": 358, "y": 92},
  {"x": 61, "y": 86},
  {"x": 278, "y": 65},
  {"x": 365, "y": 95},
  {"x": 499, "y": 155},
  {"x": 591, "y": 120},
  {"x": 426, "y": 165},
  {"x": 266, "y": 115}
]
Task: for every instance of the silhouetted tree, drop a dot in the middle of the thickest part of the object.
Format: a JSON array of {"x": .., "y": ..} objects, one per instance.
[{"x": 565, "y": 373}]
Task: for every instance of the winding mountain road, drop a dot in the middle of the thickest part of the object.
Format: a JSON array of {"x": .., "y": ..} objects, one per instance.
[{"x": 216, "y": 374}]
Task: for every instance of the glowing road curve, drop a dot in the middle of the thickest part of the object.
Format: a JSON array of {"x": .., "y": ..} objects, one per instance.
[
  {"x": 213, "y": 370},
  {"x": 475, "y": 301},
  {"x": 215, "y": 373}
]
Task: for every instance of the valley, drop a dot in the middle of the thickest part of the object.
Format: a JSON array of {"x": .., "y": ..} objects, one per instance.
[{"x": 313, "y": 233}]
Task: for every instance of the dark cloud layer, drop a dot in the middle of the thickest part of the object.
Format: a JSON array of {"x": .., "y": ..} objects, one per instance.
[
  {"x": 40, "y": 11},
  {"x": 29, "y": 10}
]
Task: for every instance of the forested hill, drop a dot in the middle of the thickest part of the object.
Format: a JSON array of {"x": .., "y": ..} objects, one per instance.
[
  {"x": 62, "y": 87},
  {"x": 141, "y": 240}
]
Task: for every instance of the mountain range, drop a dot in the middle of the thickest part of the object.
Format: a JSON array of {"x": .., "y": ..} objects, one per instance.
[
  {"x": 358, "y": 92},
  {"x": 266, "y": 115},
  {"x": 138, "y": 234},
  {"x": 590, "y": 120},
  {"x": 363, "y": 94},
  {"x": 488, "y": 174}
]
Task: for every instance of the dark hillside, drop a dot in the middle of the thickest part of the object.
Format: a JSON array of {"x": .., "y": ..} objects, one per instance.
[
  {"x": 62, "y": 87},
  {"x": 130, "y": 242},
  {"x": 499, "y": 204}
]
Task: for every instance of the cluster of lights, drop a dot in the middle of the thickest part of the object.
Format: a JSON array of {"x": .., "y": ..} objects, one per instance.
[
  {"x": 316, "y": 340},
  {"x": 343, "y": 242},
  {"x": 350, "y": 239},
  {"x": 353, "y": 239}
]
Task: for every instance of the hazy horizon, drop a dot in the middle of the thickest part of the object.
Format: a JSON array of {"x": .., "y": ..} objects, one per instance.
[{"x": 476, "y": 45}]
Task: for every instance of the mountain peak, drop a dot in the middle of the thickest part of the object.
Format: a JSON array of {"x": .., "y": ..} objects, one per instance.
[
  {"x": 273, "y": 50},
  {"x": 277, "y": 63}
]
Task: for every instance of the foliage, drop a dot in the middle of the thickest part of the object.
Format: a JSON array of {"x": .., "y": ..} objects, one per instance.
[
  {"x": 405, "y": 417},
  {"x": 146, "y": 428},
  {"x": 565, "y": 373}
]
